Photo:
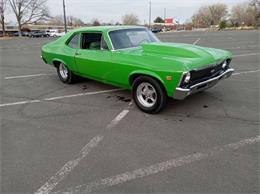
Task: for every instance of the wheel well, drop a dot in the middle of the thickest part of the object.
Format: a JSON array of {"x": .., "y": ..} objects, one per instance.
[
  {"x": 134, "y": 76},
  {"x": 56, "y": 63}
]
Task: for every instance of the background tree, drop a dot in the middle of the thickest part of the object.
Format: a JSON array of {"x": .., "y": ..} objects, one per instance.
[
  {"x": 217, "y": 12},
  {"x": 210, "y": 15},
  {"x": 74, "y": 21},
  {"x": 202, "y": 18},
  {"x": 130, "y": 19},
  {"x": 254, "y": 9},
  {"x": 95, "y": 22},
  {"x": 159, "y": 20},
  {"x": 246, "y": 14},
  {"x": 56, "y": 20},
  {"x": 3, "y": 4},
  {"x": 29, "y": 11},
  {"x": 239, "y": 15},
  {"x": 222, "y": 24},
  {"x": 71, "y": 20}
]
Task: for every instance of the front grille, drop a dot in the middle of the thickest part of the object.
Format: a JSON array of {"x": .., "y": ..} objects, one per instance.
[
  {"x": 198, "y": 76},
  {"x": 205, "y": 74}
]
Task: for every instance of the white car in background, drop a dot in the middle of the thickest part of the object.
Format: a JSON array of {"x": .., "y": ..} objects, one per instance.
[
  {"x": 60, "y": 34},
  {"x": 56, "y": 33}
]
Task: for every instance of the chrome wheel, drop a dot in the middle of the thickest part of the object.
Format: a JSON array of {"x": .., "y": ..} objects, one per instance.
[
  {"x": 146, "y": 95},
  {"x": 63, "y": 71}
]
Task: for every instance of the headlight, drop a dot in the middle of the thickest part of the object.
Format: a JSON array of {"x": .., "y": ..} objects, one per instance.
[
  {"x": 224, "y": 65},
  {"x": 187, "y": 78}
]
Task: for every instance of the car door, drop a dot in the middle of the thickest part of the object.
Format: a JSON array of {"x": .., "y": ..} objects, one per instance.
[
  {"x": 92, "y": 60},
  {"x": 68, "y": 52}
]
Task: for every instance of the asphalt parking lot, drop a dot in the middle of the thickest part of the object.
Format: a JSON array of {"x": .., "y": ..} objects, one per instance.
[{"x": 89, "y": 138}]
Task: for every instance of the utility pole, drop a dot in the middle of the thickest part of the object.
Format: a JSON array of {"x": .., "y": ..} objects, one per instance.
[
  {"x": 65, "y": 17},
  {"x": 150, "y": 13},
  {"x": 164, "y": 14}
]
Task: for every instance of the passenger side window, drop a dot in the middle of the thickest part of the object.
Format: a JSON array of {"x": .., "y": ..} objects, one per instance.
[
  {"x": 91, "y": 41},
  {"x": 74, "y": 42}
]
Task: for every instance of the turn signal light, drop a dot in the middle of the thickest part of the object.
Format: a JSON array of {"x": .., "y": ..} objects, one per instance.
[{"x": 168, "y": 78}]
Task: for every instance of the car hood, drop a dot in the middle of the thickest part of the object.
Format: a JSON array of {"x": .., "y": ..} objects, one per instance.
[{"x": 191, "y": 56}]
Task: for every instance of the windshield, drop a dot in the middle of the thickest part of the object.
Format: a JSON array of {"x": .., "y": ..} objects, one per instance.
[{"x": 128, "y": 38}]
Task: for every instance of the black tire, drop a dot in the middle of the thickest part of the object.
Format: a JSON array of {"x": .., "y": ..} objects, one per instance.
[
  {"x": 71, "y": 77},
  {"x": 161, "y": 97}
]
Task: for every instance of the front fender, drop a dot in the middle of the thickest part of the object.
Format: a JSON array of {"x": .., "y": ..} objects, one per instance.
[
  {"x": 146, "y": 73},
  {"x": 169, "y": 85}
]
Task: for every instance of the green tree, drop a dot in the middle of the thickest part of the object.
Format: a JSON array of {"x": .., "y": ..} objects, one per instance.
[
  {"x": 222, "y": 25},
  {"x": 158, "y": 20}
]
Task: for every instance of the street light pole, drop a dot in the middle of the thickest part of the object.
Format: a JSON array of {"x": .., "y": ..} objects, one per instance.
[
  {"x": 65, "y": 17},
  {"x": 150, "y": 13}
]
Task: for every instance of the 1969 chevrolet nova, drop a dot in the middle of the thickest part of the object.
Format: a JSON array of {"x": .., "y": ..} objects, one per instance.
[{"x": 133, "y": 58}]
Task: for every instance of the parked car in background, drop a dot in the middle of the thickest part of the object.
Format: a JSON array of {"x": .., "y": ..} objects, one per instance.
[
  {"x": 39, "y": 34},
  {"x": 60, "y": 34},
  {"x": 53, "y": 32},
  {"x": 56, "y": 33},
  {"x": 134, "y": 58},
  {"x": 24, "y": 34},
  {"x": 156, "y": 30}
]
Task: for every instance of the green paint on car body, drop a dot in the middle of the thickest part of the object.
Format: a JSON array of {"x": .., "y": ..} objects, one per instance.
[{"x": 119, "y": 67}]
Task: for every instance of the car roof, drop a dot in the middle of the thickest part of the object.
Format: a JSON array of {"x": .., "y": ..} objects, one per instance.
[{"x": 105, "y": 28}]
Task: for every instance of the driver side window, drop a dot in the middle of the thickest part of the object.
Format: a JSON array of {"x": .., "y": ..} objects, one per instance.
[{"x": 91, "y": 41}]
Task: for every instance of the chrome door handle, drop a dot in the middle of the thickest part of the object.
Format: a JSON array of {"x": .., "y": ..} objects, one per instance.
[{"x": 77, "y": 53}]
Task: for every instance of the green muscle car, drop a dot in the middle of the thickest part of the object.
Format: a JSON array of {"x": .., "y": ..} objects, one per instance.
[{"x": 133, "y": 58}]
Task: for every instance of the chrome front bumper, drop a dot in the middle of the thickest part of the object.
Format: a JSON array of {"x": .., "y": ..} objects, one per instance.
[{"x": 182, "y": 93}]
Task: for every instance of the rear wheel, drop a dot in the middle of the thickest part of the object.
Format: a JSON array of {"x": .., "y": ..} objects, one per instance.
[
  {"x": 65, "y": 75},
  {"x": 149, "y": 95}
]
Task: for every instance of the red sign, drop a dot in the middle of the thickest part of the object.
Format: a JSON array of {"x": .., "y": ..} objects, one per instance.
[{"x": 169, "y": 21}]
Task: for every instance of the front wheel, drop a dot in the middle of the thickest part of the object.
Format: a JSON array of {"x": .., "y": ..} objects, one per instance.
[
  {"x": 66, "y": 75},
  {"x": 149, "y": 95}
]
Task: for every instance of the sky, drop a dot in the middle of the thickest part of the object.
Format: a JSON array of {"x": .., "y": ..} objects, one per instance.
[{"x": 113, "y": 10}]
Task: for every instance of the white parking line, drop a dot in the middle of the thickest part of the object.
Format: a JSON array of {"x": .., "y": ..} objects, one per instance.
[
  {"x": 27, "y": 76},
  {"x": 247, "y": 72},
  {"x": 118, "y": 118},
  {"x": 157, "y": 168},
  {"x": 57, "y": 98},
  {"x": 244, "y": 55},
  {"x": 69, "y": 166},
  {"x": 196, "y": 42}
]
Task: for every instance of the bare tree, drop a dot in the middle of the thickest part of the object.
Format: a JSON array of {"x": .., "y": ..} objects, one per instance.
[
  {"x": 210, "y": 15},
  {"x": 202, "y": 18},
  {"x": 71, "y": 20},
  {"x": 246, "y": 14},
  {"x": 28, "y": 11},
  {"x": 255, "y": 10},
  {"x": 239, "y": 14},
  {"x": 130, "y": 19},
  {"x": 217, "y": 12},
  {"x": 95, "y": 22},
  {"x": 3, "y": 4},
  {"x": 56, "y": 20},
  {"x": 74, "y": 21}
]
